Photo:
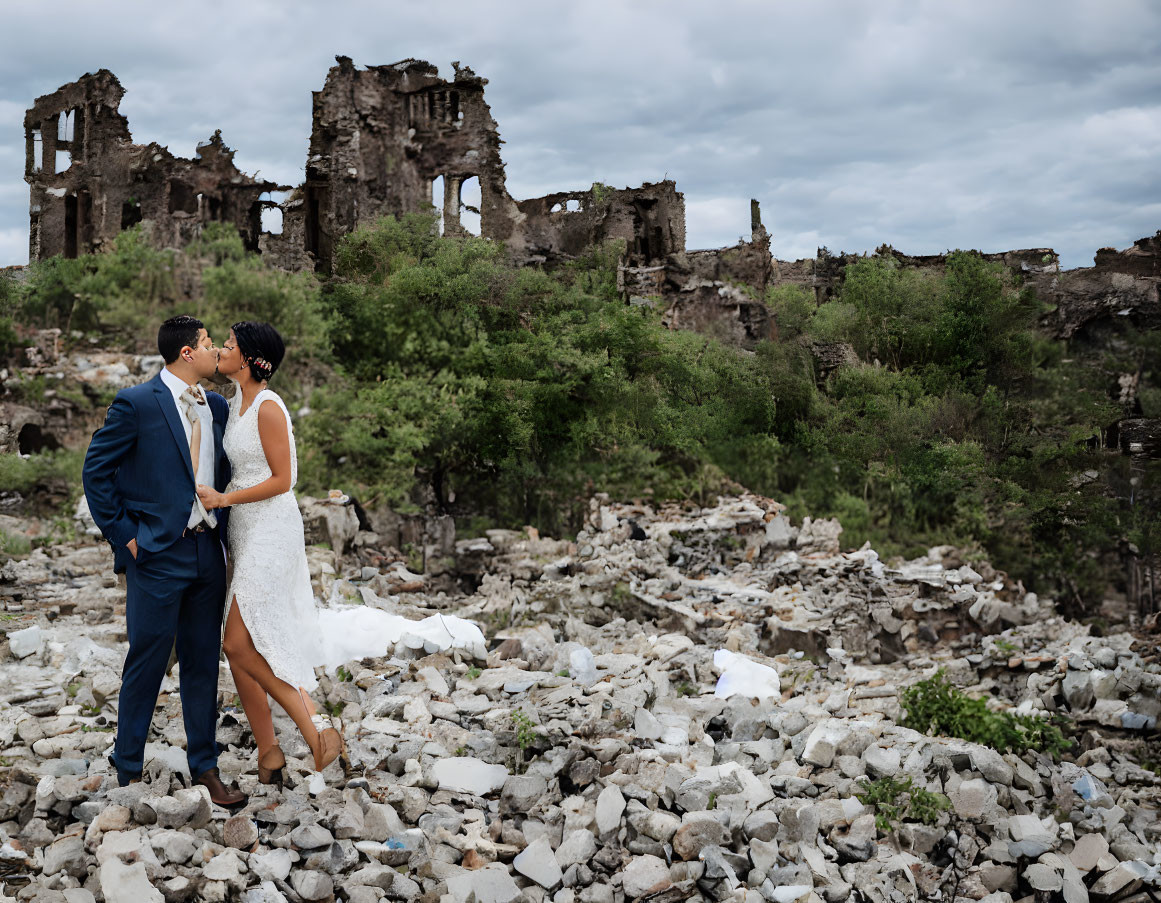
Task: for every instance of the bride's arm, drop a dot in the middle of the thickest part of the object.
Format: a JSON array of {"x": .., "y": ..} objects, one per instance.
[{"x": 275, "y": 436}]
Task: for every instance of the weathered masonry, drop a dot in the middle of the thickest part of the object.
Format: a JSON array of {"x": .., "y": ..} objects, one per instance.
[
  {"x": 89, "y": 180},
  {"x": 386, "y": 140}
]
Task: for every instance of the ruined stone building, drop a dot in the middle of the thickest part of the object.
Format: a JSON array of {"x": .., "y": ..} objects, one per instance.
[
  {"x": 385, "y": 141},
  {"x": 390, "y": 140},
  {"x": 89, "y": 180}
]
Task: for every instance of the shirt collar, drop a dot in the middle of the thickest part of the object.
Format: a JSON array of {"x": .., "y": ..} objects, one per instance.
[{"x": 175, "y": 384}]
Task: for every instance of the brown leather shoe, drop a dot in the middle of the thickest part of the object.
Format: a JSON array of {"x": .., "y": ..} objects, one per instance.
[{"x": 220, "y": 794}]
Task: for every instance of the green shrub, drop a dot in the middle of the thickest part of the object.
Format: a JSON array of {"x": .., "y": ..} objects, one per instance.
[
  {"x": 935, "y": 706},
  {"x": 895, "y": 800}
]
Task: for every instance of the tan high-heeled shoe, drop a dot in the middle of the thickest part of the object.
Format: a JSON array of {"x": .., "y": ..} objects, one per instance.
[
  {"x": 330, "y": 741},
  {"x": 271, "y": 766}
]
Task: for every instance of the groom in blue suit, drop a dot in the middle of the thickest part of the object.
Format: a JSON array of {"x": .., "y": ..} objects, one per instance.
[{"x": 161, "y": 439}]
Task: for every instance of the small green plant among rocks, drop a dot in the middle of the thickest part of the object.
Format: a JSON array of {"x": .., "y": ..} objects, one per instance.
[
  {"x": 894, "y": 800},
  {"x": 935, "y": 706},
  {"x": 343, "y": 674},
  {"x": 472, "y": 673},
  {"x": 525, "y": 736}
]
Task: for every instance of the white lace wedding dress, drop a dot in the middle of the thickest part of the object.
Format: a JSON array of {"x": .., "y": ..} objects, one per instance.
[{"x": 271, "y": 580}]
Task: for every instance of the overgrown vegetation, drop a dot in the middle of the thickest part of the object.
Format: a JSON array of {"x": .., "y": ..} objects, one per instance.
[
  {"x": 935, "y": 706},
  {"x": 895, "y": 800},
  {"x": 438, "y": 376}
]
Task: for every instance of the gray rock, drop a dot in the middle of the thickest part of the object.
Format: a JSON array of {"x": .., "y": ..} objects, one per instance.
[
  {"x": 66, "y": 854},
  {"x": 1029, "y": 836},
  {"x": 174, "y": 846},
  {"x": 691, "y": 838},
  {"x": 577, "y": 846},
  {"x": 1042, "y": 878},
  {"x": 491, "y": 884},
  {"x": 537, "y": 862},
  {"x": 1088, "y": 851},
  {"x": 645, "y": 875},
  {"x": 880, "y": 762},
  {"x": 239, "y": 832},
  {"x": 312, "y": 885},
  {"x": 521, "y": 792},
  {"x": 187, "y": 807},
  {"x": 311, "y": 837},
  {"x": 973, "y": 798},
  {"x": 610, "y": 806}
]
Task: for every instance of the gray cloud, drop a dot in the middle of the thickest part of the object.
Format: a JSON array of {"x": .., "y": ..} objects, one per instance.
[{"x": 926, "y": 125}]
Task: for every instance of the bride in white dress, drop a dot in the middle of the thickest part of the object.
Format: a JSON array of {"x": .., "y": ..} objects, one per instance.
[{"x": 272, "y": 639}]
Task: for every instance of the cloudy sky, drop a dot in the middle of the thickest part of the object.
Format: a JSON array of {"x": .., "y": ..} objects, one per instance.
[{"x": 927, "y": 125}]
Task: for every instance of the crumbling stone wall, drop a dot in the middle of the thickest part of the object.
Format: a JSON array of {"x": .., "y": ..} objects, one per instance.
[
  {"x": 88, "y": 180},
  {"x": 717, "y": 292}
]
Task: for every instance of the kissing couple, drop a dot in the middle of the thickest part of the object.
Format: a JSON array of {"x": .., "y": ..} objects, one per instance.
[{"x": 174, "y": 478}]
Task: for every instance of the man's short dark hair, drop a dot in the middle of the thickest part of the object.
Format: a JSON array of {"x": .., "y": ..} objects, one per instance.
[{"x": 175, "y": 333}]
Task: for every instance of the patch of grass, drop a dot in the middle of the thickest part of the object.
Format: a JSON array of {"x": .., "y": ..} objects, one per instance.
[
  {"x": 14, "y": 545},
  {"x": 685, "y": 688},
  {"x": 472, "y": 673},
  {"x": 1004, "y": 647},
  {"x": 72, "y": 689},
  {"x": 563, "y": 672},
  {"x": 343, "y": 674},
  {"x": 335, "y": 708},
  {"x": 935, "y": 706},
  {"x": 895, "y": 800}
]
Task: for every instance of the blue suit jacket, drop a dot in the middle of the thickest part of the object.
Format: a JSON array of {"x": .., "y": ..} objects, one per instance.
[{"x": 138, "y": 476}]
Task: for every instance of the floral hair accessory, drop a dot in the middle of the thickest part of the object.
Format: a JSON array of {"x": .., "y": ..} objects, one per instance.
[{"x": 261, "y": 364}]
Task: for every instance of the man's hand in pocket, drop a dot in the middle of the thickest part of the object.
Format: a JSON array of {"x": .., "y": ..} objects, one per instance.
[{"x": 132, "y": 547}]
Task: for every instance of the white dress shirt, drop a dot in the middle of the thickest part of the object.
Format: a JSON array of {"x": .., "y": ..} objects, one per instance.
[{"x": 205, "y": 473}]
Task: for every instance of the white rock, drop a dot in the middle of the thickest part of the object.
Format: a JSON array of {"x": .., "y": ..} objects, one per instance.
[
  {"x": 822, "y": 742},
  {"x": 880, "y": 762},
  {"x": 274, "y": 865},
  {"x": 537, "y": 862},
  {"x": 1041, "y": 877},
  {"x": 464, "y": 774},
  {"x": 26, "y": 642},
  {"x": 643, "y": 875},
  {"x": 743, "y": 677},
  {"x": 646, "y": 725},
  {"x": 265, "y": 892},
  {"x": 791, "y": 893},
  {"x": 576, "y": 847},
  {"x": 122, "y": 883},
  {"x": 491, "y": 884},
  {"x": 610, "y": 805},
  {"x": 1030, "y": 836}
]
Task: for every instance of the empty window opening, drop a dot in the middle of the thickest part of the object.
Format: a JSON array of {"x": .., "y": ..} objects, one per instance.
[
  {"x": 470, "y": 202},
  {"x": 65, "y": 124},
  {"x": 70, "y": 247},
  {"x": 557, "y": 208},
  {"x": 572, "y": 205},
  {"x": 37, "y": 151},
  {"x": 272, "y": 220},
  {"x": 182, "y": 197},
  {"x": 32, "y": 440},
  {"x": 453, "y": 107},
  {"x": 130, "y": 213},
  {"x": 63, "y": 160},
  {"x": 437, "y": 199}
]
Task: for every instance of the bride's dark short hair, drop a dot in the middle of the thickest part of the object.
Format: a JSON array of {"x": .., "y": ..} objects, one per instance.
[{"x": 261, "y": 346}]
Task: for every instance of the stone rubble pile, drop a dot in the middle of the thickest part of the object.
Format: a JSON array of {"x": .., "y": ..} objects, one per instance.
[{"x": 587, "y": 758}]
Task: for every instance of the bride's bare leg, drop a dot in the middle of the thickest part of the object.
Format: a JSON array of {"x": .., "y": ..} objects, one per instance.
[
  {"x": 243, "y": 656},
  {"x": 255, "y": 703}
]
